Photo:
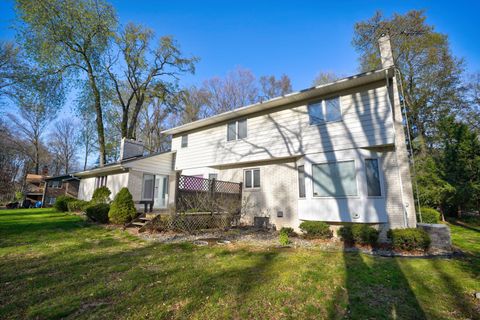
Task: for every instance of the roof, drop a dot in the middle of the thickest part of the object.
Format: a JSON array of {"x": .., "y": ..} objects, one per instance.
[
  {"x": 62, "y": 177},
  {"x": 310, "y": 93},
  {"x": 116, "y": 166},
  {"x": 34, "y": 177}
]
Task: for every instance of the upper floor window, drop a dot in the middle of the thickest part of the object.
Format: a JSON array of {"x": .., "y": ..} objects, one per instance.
[
  {"x": 325, "y": 111},
  {"x": 237, "y": 130},
  {"x": 184, "y": 141}
]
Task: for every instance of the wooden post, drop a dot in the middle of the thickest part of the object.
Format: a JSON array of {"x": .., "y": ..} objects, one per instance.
[
  {"x": 212, "y": 196},
  {"x": 177, "y": 188},
  {"x": 241, "y": 199}
]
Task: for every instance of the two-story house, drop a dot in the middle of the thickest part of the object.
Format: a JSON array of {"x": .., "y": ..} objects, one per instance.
[{"x": 333, "y": 153}]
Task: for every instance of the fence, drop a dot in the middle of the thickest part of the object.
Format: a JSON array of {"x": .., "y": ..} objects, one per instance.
[{"x": 194, "y": 194}]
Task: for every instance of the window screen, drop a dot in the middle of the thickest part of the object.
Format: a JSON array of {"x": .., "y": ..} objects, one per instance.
[
  {"x": 232, "y": 131},
  {"x": 325, "y": 111},
  {"x": 184, "y": 141},
  {"x": 242, "y": 129},
  {"x": 252, "y": 178},
  {"x": 256, "y": 178},
  {"x": 248, "y": 179},
  {"x": 333, "y": 111},
  {"x": 373, "y": 178},
  {"x": 315, "y": 112},
  {"x": 301, "y": 181},
  {"x": 335, "y": 179},
  {"x": 148, "y": 184}
]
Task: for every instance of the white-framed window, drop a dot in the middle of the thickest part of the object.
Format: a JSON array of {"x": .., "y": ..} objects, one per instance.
[
  {"x": 334, "y": 179},
  {"x": 50, "y": 200},
  {"x": 373, "y": 178},
  {"x": 100, "y": 182},
  {"x": 185, "y": 141},
  {"x": 54, "y": 184},
  {"x": 251, "y": 178},
  {"x": 301, "y": 181},
  {"x": 237, "y": 130},
  {"x": 212, "y": 176},
  {"x": 327, "y": 110}
]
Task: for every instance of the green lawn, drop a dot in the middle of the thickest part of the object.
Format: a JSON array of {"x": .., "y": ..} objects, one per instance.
[{"x": 54, "y": 265}]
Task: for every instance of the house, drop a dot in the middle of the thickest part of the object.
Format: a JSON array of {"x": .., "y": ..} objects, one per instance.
[
  {"x": 333, "y": 153},
  {"x": 65, "y": 185},
  {"x": 34, "y": 187},
  {"x": 147, "y": 177}
]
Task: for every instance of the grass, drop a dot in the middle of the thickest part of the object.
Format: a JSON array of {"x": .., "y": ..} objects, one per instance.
[{"x": 54, "y": 265}]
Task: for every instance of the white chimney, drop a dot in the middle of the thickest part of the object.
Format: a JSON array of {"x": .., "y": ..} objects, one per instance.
[
  {"x": 130, "y": 148},
  {"x": 385, "y": 51}
]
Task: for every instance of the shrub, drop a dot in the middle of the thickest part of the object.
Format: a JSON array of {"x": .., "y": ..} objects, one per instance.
[
  {"x": 100, "y": 195},
  {"x": 359, "y": 234},
  {"x": 288, "y": 231},
  {"x": 429, "y": 215},
  {"x": 77, "y": 205},
  {"x": 98, "y": 212},
  {"x": 122, "y": 209},
  {"x": 61, "y": 203},
  {"x": 409, "y": 239},
  {"x": 316, "y": 229},
  {"x": 283, "y": 239}
]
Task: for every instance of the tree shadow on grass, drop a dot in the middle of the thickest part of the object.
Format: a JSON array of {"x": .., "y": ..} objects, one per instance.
[{"x": 375, "y": 288}]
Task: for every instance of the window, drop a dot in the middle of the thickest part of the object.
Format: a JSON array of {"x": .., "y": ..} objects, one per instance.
[
  {"x": 334, "y": 179},
  {"x": 184, "y": 141},
  {"x": 325, "y": 111},
  {"x": 100, "y": 181},
  {"x": 212, "y": 176},
  {"x": 251, "y": 178},
  {"x": 50, "y": 200},
  {"x": 148, "y": 185},
  {"x": 373, "y": 178},
  {"x": 237, "y": 130},
  {"x": 54, "y": 184},
  {"x": 301, "y": 181}
]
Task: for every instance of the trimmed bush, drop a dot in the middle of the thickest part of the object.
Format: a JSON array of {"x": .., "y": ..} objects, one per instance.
[
  {"x": 359, "y": 234},
  {"x": 283, "y": 239},
  {"x": 101, "y": 195},
  {"x": 61, "y": 203},
  {"x": 288, "y": 231},
  {"x": 122, "y": 209},
  {"x": 429, "y": 215},
  {"x": 409, "y": 239},
  {"x": 316, "y": 229},
  {"x": 77, "y": 205},
  {"x": 98, "y": 212}
]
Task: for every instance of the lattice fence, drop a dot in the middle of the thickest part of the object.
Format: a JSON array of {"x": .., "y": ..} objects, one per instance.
[
  {"x": 191, "y": 223},
  {"x": 195, "y": 194}
]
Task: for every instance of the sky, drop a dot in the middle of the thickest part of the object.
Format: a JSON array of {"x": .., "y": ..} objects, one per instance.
[{"x": 298, "y": 38}]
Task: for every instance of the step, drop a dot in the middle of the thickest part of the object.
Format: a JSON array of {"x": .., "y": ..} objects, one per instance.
[
  {"x": 145, "y": 219},
  {"x": 138, "y": 223}
]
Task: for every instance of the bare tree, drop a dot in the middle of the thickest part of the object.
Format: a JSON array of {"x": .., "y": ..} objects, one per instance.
[
  {"x": 63, "y": 143},
  {"x": 324, "y": 78},
  {"x": 271, "y": 87},
  {"x": 237, "y": 89}
]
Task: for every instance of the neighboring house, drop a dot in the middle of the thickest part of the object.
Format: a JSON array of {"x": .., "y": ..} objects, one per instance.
[
  {"x": 148, "y": 178},
  {"x": 333, "y": 153},
  {"x": 34, "y": 187},
  {"x": 66, "y": 185}
]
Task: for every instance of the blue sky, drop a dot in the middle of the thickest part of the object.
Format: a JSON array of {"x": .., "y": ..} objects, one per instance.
[{"x": 299, "y": 38}]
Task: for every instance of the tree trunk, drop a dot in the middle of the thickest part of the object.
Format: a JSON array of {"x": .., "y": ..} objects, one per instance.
[
  {"x": 133, "y": 122},
  {"x": 86, "y": 159},
  {"x": 37, "y": 156},
  {"x": 99, "y": 118},
  {"x": 124, "y": 125}
]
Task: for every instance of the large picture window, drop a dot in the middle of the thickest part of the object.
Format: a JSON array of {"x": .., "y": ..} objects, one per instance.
[
  {"x": 334, "y": 179},
  {"x": 325, "y": 111},
  {"x": 373, "y": 178}
]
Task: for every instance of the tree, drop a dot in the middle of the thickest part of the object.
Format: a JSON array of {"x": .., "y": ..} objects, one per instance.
[
  {"x": 430, "y": 75},
  {"x": 38, "y": 101},
  {"x": 271, "y": 87},
  {"x": 12, "y": 69},
  {"x": 237, "y": 89},
  {"x": 147, "y": 72},
  {"x": 70, "y": 36},
  {"x": 324, "y": 78},
  {"x": 63, "y": 143},
  {"x": 471, "y": 112}
]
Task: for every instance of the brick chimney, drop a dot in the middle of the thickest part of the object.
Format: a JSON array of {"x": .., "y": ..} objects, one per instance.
[
  {"x": 130, "y": 149},
  {"x": 385, "y": 50}
]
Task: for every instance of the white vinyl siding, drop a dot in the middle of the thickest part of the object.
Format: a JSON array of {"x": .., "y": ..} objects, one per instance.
[
  {"x": 334, "y": 179},
  {"x": 286, "y": 132}
]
